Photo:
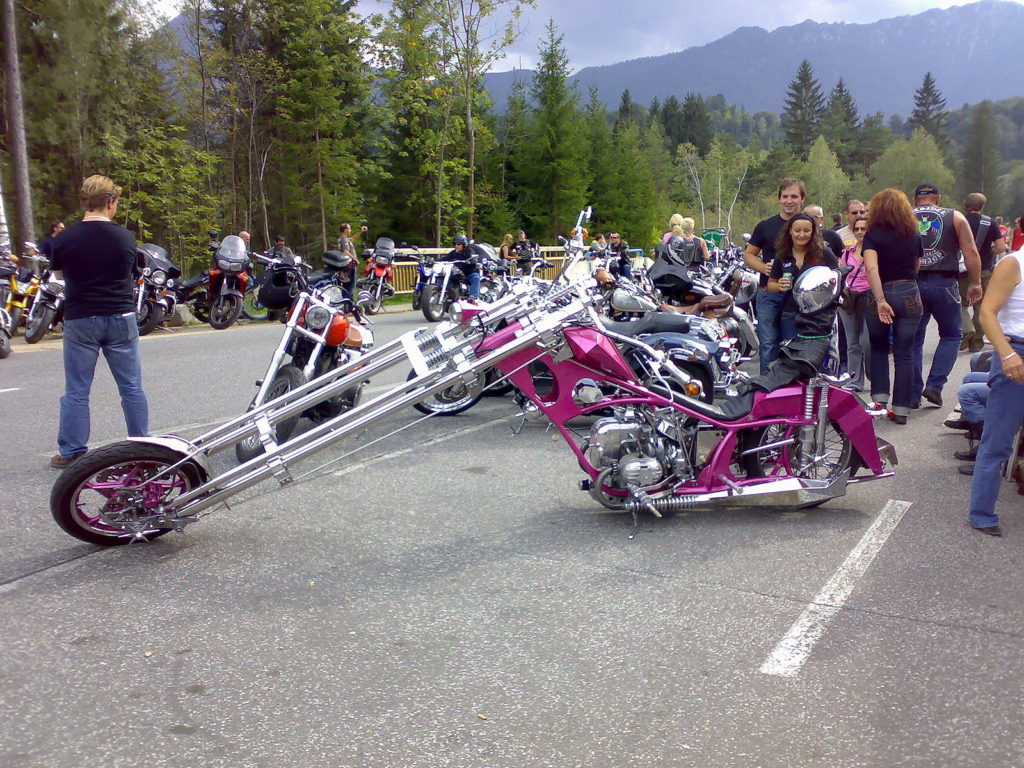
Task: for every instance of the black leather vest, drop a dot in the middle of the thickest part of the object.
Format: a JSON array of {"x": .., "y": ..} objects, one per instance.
[{"x": 939, "y": 238}]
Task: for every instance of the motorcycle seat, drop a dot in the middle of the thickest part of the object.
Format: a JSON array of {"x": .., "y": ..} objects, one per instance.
[
  {"x": 193, "y": 282},
  {"x": 729, "y": 409},
  {"x": 718, "y": 301},
  {"x": 320, "y": 275},
  {"x": 652, "y": 322}
]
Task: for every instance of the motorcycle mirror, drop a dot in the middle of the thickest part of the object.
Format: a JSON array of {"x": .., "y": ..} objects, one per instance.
[{"x": 403, "y": 245}]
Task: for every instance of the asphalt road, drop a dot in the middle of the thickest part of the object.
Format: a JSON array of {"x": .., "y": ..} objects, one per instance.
[{"x": 449, "y": 598}]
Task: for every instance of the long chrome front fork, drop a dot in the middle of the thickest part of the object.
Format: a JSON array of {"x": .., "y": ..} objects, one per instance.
[{"x": 441, "y": 358}]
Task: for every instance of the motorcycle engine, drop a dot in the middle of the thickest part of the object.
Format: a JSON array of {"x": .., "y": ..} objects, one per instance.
[{"x": 637, "y": 448}]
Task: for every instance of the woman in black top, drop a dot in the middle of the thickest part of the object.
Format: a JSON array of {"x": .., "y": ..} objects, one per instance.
[
  {"x": 892, "y": 251},
  {"x": 798, "y": 247}
]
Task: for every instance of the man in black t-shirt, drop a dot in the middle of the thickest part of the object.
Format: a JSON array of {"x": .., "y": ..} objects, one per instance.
[
  {"x": 97, "y": 259},
  {"x": 46, "y": 244},
  {"x": 759, "y": 254},
  {"x": 991, "y": 243}
]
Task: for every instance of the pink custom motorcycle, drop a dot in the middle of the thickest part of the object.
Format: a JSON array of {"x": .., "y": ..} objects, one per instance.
[{"x": 651, "y": 445}]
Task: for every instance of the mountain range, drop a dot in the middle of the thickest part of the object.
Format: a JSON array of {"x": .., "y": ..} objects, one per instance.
[{"x": 975, "y": 52}]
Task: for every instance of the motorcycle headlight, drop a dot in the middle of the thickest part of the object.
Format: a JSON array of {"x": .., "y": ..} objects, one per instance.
[
  {"x": 317, "y": 318},
  {"x": 159, "y": 276},
  {"x": 225, "y": 264}
]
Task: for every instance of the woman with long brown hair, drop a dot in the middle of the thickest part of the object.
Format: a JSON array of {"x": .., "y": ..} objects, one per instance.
[
  {"x": 892, "y": 252},
  {"x": 798, "y": 246}
]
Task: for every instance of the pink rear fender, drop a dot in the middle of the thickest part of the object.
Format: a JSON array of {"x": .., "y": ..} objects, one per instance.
[{"x": 843, "y": 407}]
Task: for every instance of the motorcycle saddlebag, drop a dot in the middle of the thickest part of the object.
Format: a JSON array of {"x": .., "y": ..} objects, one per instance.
[{"x": 279, "y": 287}]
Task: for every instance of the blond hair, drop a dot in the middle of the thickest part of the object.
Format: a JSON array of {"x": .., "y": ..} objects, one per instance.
[
  {"x": 675, "y": 220},
  {"x": 687, "y": 225},
  {"x": 97, "y": 192},
  {"x": 507, "y": 240}
]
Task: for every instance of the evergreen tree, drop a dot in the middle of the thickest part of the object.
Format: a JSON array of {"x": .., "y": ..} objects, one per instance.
[
  {"x": 557, "y": 176},
  {"x": 629, "y": 110},
  {"x": 696, "y": 123},
  {"x": 599, "y": 158},
  {"x": 805, "y": 106},
  {"x": 631, "y": 207},
  {"x": 413, "y": 134},
  {"x": 319, "y": 116},
  {"x": 841, "y": 126},
  {"x": 515, "y": 147},
  {"x": 930, "y": 112},
  {"x": 875, "y": 136},
  {"x": 982, "y": 160},
  {"x": 672, "y": 121}
]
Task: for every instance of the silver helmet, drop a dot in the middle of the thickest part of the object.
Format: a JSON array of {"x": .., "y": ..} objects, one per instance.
[{"x": 817, "y": 289}]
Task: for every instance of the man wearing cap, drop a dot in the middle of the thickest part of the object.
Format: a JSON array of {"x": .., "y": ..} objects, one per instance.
[{"x": 945, "y": 234}]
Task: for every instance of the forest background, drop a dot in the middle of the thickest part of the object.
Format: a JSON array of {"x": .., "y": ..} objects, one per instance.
[{"x": 293, "y": 116}]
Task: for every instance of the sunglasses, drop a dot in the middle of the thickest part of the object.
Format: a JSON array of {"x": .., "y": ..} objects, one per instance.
[{"x": 858, "y": 213}]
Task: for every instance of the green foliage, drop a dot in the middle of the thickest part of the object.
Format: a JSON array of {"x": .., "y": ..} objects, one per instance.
[
  {"x": 630, "y": 192},
  {"x": 981, "y": 160},
  {"x": 165, "y": 195},
  {"x": 827, "y": 185},
  {"x": 907, "y": 163},
  {"x": 804, "y": 108}
]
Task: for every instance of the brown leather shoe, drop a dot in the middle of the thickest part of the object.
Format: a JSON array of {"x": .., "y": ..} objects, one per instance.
[
  {"x": 60, "y": 462},
  {"x": 966, "y": 469},
  {"x": 990, "y": 530}
]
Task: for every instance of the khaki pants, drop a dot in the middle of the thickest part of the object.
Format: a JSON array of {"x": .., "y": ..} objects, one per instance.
[{"x": 972, "y": 326}]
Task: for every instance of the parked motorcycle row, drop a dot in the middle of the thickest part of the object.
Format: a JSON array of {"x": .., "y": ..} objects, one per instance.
[{"x": 592, "y": 350}]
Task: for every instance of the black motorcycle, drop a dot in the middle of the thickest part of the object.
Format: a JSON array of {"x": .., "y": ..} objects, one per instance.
[
  {"x": 155, "y": 296},
  {"x": 47, "y": 309}
]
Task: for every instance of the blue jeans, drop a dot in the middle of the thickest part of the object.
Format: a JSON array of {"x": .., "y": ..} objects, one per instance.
[
  {"x": 118, "y": 337},
  {"x": 973, "y": 395},
  {"x": 474, "y": 284},
  {"x": 940, "y": 298},
  {"x": 1006, "y": 398},
  {"x": 905, "y": 301},
  {"x": 773, "y": 325}
]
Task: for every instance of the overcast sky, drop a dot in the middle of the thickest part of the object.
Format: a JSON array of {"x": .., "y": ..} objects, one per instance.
[{"x": 607, "y": 31}]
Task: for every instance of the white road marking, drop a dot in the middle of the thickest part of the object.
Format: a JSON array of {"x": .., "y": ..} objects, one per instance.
[
  {"x": 403, "y": 451},
  {"x": 792, "y": 651},
  {"x": 10, "y": 389}
]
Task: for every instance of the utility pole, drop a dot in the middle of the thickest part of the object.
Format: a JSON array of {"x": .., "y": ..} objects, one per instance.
[{"x": 18, "y": 149}]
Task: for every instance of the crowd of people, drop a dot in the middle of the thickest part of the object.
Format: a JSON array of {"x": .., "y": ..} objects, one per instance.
[{"x": 908, "y": 263}]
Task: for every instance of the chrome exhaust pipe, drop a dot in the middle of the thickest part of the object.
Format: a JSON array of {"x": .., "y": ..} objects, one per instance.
[{"x": 791, "y": 493}]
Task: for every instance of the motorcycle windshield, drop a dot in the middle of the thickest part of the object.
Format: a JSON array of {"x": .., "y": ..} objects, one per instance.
[
  {"x": 232, "y": 254},
  {"x": 158, "y": 258},
  {"x": 384, "y": 244}
]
